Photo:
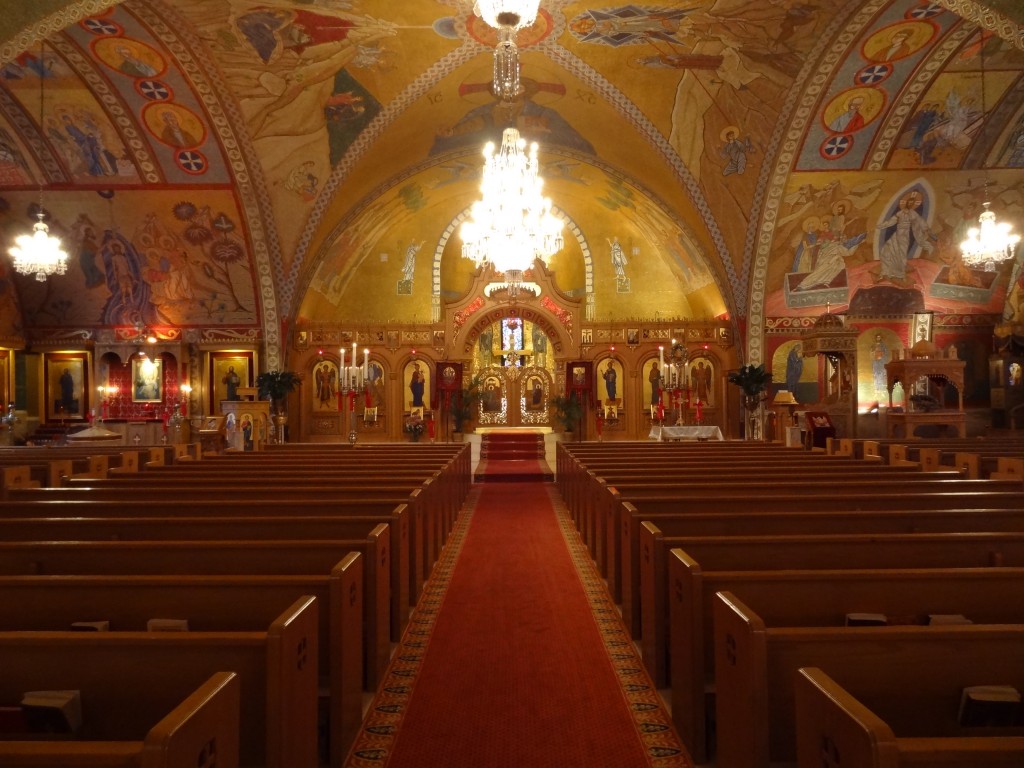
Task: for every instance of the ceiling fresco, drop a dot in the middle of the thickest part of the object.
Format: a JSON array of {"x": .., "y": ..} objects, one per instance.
[{"x": 253, "y": 164}]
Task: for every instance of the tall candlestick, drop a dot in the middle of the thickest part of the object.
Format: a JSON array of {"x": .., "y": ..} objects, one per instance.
[
  {"x": 366, "y": 362},
  {"x": 342, "y": 366},
  {"x": 661, "y": 359}
]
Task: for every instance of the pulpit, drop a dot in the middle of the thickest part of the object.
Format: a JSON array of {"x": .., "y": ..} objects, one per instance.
[{"x": 937, "y": 368}]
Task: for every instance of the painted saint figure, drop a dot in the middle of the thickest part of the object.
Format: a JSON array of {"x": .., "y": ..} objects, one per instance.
[
  {"x": 908, "y": 223},
  {"x": 409, "y": 266},
  {"x": 618, "y": 258},
  {"x": 416, "y": 385},
  {"x": 654, "y": 377},
  {"x": 851, "y": 120},
  {"x": 67, "y": 392},
  {"x": 879, "y": 357},
  {"x": 794, "y": 367},
  {"x": 231, "y": 381},
  {"x": 610, "y": 377},
  {"x": 735, "y": 152}
]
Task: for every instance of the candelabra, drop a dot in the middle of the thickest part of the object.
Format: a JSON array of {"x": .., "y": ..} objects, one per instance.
[
  {"x": 352, "y": 383},
  {"x": 180, "y": 406},
  {"x": 106, "y": 394},
  {"x": 675, "y": 379}
]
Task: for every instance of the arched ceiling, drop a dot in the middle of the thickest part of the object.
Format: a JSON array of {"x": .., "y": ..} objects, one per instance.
[{"x": 231, "y": 167}]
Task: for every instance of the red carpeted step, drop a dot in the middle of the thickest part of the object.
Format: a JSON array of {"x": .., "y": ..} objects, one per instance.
[
  {"x": 517, "y": 446},
  {"x": 512, "y": 457},
  {"x": 499, "y": 471}
]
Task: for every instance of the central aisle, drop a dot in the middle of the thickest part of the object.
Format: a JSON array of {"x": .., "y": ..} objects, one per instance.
[{"x": 516, "y": 656}]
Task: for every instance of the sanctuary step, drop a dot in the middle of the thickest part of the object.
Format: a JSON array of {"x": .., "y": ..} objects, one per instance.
[
  {"x": 502, "y": 445},
  {"x": 511, "y": 457}
]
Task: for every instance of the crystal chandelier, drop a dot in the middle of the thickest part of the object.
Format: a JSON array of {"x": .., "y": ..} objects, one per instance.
[
  {"x": 989, "y": 243},
  {"x": 513, "y": 14},
  {"x": 40, "y": 253},
  {"x": 512, "y": 224},
  {"x": 507, "y": 16}
]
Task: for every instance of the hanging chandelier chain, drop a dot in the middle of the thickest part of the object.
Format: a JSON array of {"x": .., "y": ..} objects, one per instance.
[
  {"x": 40, "y": 253},
  {"x": 991, "y": 242}
]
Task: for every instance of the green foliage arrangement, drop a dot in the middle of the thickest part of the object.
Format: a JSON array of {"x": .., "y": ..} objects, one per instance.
[
  {"x": 464, "y": 405},
  {"x": 567, "y": 410},
  {"x": 752, "y": 379},
  {"x": 276, "y": 385}
]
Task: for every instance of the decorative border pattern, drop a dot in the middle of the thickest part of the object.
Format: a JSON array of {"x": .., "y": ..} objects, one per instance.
[
  {"x": 57, "y": 21},
  {"x": 244, "y": 167},
  {"x": 650, "y": 717},
  {"x": 843, "y": 33},
  {"x": 372, "y": 747},
  {"x": 988, "y": 19}
]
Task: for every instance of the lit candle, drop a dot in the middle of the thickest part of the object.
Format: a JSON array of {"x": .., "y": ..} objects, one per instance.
[
  {"x": 661, "y": 358},
  {"x": 366, "y": 362},
  {"x": 342, "y": 350}
]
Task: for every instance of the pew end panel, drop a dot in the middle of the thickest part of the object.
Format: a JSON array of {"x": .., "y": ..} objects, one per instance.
[
  {"x": 292, "y": 687},
  {"x": 969, "y": 464},
  {"x": 377, "y": 608},
  {"x": 613, "y": 551},
  {"x": 741, "y": 684},
  {"x": 654, "y": 628},
  {"x": 16, "y": 477},
  {"x": 831, "y": 723},
  {"x": 346, "y": 670},
  {"x": 1010, "y": 467},
  {"x": 629, "y": 557},
  {"x": 690, "y": 686},
  {"x": 202, "y": 731}
]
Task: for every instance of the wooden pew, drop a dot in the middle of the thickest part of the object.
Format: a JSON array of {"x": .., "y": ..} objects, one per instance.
[
  {"x": 705, "y": 481},
  {"x": 811, "y": 598},
  {"x": 408, "y": 535},
  {"x": 294, "y": 557},
  {"x": 203, "y": 726},
  {"x": 423, "y": 546},
  {"x": 438, "y": 505},
  {"x": 625, "y": 521},
  {"x": 213, "y": 603},
  {"x": 830, "y": 722},
  {"x": 756, "y": 667},
  {"x": 79, "y": 526},
  {"x": 154, "y": 671},
  {"x": 654, "y": 558}
]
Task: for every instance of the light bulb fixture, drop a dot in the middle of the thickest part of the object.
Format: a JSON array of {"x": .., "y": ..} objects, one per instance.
[
  {"x": 40, "y": 253},
  {"x": 508, "y": 17},
  {"x": 512, "y": 224},
  {"x": 988, "y": 244},
  {"x": 514, "y": 14},
  {"x": 991, "y": 242}
]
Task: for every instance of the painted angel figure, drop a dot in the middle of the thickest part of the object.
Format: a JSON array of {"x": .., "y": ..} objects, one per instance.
[{"x": 618, "y": 258}]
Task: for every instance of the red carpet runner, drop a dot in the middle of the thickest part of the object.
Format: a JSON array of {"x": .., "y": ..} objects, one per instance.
[{"x": 516, "y": 656}]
